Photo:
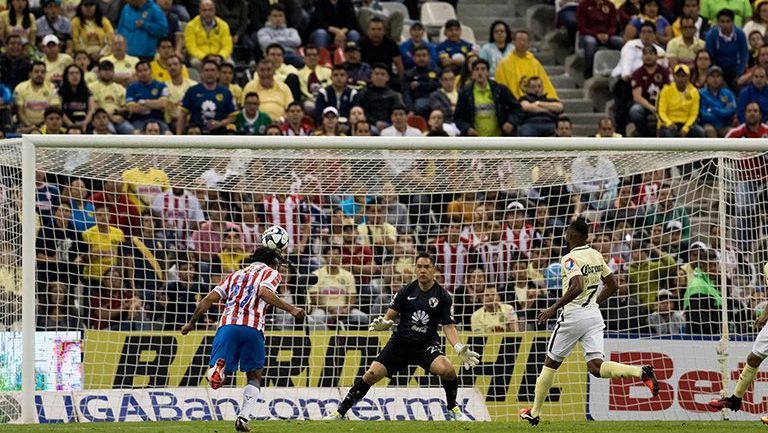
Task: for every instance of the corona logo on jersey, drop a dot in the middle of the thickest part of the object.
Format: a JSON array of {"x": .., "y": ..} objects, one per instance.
[
  {"x": 587, "y": 269},
  {"x": 422, "y": 318}
]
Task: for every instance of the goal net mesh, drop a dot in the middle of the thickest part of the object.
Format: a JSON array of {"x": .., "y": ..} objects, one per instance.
[{"x": 128, "y": 240}]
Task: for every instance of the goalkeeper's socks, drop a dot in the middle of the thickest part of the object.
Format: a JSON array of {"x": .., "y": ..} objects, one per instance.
[
  {"x": 745, "y": 380},
  {"x": 251, "y": 395},
  {"x": 355, "y": 394},
  {"x": 610, "y": 369},
  {"x": 543, "y": 383},
  {"x": 451, "y": 389}
]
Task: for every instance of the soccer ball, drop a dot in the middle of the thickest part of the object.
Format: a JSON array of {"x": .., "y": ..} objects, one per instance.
[{"x": 275, "y": 238}]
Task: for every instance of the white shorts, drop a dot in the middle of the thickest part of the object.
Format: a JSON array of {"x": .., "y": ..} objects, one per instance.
[
  {"x": 582, "y": 325},
  {"x": 760, "y": 346}
]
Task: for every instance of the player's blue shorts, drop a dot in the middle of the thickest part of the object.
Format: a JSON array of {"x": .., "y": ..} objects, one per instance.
[{"x": 239, "y": 344}]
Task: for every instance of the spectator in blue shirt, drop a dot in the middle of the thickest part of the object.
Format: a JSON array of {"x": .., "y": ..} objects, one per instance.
[
  {"x": 142, "y": 23},
  {"x": 6, "y": 105},
  {"x": 717, "y": 105},
  {"x": 757, "y": 92},
  {"x": 208, "y": 103},
  {"x": 417, "y": 40},
  {"x": 146, "y": 98},
  {"x": 419, "y": 82},
  {"x": 453, "y": 51},
  {"x": 728, "y": 48},
  {"x": 499, "y": 44}
]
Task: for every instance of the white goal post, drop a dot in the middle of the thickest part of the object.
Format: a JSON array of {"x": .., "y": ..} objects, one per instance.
[{"x": 495, "y": 174}]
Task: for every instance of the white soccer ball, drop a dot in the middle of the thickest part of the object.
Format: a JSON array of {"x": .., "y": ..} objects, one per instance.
[{"x": 275, "y": 238}]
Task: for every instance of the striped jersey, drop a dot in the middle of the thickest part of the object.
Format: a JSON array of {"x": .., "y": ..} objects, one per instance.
[
  {"x": 588, "y": 263},
  {"x": 241, "y": 294},
  {"x": 178, "y": 212},
  {"x": 291, "y": 213},
  {"x": 453, "y": 261}
]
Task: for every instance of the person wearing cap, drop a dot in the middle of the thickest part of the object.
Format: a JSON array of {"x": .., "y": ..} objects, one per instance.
[
  {"x": 416, "y": 40},
  {"x": 718, "y": 105},
  {"x": 91, "y": 32},
  {"x": 25, "y": 24},
  {"x": 683, "y": 48},
  {"x": 55, "y": 61},
  {"x": 453, "y": 51},
  {"x": 142, "y": 23},
  {"x": 110, "y": 96},
  {"x": 333, "y": 23},
  {"x": 339, "y": 95},
  {"x": 678, "y": 105},
  {"x": 54, "y": 23},
  {"x": 358, "y": 72},
  {"x": 250, "y": 120},
  {"x": 32, "y": 97},
  {"x": 276, "y": 31},
  {"x": 487, "y": 108},
  {"x": 330, "y": 123},
  {"x": 756, "y": 91},
  {"x": 666, "y": 320},
  {"x": 313, "y": 77},
  {"x": 125, "y": 64},
  {"x": 727, "y": 46},
  {"x": 647, "y": 82},
  {"x": 522, "y": 63}
]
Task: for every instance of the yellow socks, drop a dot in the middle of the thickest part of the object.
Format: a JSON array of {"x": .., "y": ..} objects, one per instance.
[
  {"x": 746, "y": 379},
  {"x": 610, "y": 369},
  {"x": 543, "y": 383}
]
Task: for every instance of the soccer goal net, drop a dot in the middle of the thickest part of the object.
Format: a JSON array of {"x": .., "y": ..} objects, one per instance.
[{"x": 124, "y": 235}]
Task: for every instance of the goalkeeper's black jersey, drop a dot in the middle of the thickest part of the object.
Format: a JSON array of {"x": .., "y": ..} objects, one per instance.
[{"x": 421, "y": 312}]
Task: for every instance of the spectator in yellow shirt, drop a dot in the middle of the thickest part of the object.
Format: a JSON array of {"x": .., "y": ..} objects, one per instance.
[
  {"x": 226, "y": 78},
  {"x": 55, "y": 61},
  {"x": 91, "y": 32},
  {"x": 683, "y": 48},
  {"x": 274, "y": 95},
  {"x": 376, "y": 232},
  {"x": 110, "y": 96},
  {"x": 207, "y": 34},
  {"x": 125, "y": 65},
  {"x": 494, "y": 316},
  {"x": 159, "y": 66},
  {"x": 333, "y": 298},
  {"x": 678, "y": 107},
  {"x": 32, "y": 97},
  {"x": 518, "y": 65},
  {"x": 104, "y": 242}
]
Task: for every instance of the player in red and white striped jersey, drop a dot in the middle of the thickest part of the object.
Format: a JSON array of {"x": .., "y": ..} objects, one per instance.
[
  {"x": 496, "y": 257},
  {"x": 246, "y": 293},
  {"x": 517, "y": 232},
  {"x": 180, "y": 210},
  {"x": 452, "y": 257},
  {"x": 291, "y": 213}
]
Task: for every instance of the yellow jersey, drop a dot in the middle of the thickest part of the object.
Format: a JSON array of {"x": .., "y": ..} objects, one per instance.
[
  {"x": 33, "y": 101},
  {"x": 124, "y": 68},
  {"x": 54, "y": 69},
  {"x": 143, "y": 186},
  {"x": 110, "y": 96},
  {"x": 102, "y": 249},
  {"x": 589, "y": 264}
]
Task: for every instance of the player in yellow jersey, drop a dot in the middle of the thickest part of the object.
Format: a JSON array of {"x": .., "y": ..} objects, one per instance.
[
  {"x": 754, "y": 359},
  {"x": 581, "y": 320}
]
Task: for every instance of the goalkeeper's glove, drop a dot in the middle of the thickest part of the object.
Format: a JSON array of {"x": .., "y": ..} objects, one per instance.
[
  {"x": 380, "y": 324},
  {"x": 468, "y": 358}
]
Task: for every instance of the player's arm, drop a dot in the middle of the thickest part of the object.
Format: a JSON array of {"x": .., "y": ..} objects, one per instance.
[
  {"x": 575, "y": 287},
  {"x": 611, "y": 286},
  {"x": 468, "y": 358},
  {"x": 202, "y": 308},
  {"x": 272, "y": 299}
]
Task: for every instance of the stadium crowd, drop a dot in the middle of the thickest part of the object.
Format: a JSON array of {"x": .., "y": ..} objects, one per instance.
[{"x": 141, "y": 251}]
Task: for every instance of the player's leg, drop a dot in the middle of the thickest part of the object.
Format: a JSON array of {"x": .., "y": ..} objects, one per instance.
[
  {"x": 375, "y": 373},
  {"x": 252, "y": 357},
  {"x": 441, "y": 366},
  {"x": 593, "y": 345},
  {"x": 223, "y": 356},
  {"x": 748, "y": 373}
]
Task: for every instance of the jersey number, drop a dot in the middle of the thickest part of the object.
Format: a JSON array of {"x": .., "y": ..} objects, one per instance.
[
  {"x": 236, "y": 291},
  {"x": 589, "y": 298}
]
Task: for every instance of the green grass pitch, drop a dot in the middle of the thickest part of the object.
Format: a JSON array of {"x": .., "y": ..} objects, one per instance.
[{"x": 397, "y": 426}]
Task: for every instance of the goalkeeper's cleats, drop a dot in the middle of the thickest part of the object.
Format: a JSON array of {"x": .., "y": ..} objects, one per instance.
[
  {"x": 333, "y": 416},
  {"x": 241, "y": 424},
  {"x": 764, "y": 419},
  {"x": 526, "y": 415},
  {"x": 649, "y": 379},
  {"x": 455, "y": 414},
  {"x": 216, "y": 377},
  {"x": 733, "y": 403}
]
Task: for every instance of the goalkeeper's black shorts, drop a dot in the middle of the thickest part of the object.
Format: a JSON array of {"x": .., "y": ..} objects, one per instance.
[{"x": 398, "y": 355}]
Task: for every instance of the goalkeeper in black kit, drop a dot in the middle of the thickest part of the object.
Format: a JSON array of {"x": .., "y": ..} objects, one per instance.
[{"x": 421, "y": 306}]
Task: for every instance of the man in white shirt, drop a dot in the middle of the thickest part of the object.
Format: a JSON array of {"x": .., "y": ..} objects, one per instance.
[
  {"x": 596, "y": 179},
  {"x": 632, "y": 59},
  {"x": 400, "y": 128}
]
